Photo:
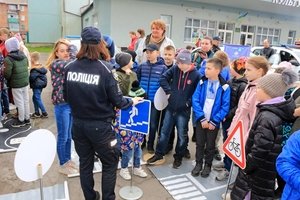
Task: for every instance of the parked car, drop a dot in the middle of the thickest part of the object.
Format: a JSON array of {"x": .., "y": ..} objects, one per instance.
[{"x": 282, "y": 53}]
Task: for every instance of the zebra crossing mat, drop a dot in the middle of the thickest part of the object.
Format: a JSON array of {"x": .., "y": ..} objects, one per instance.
[
  {"x": 11, "y": 138},
  {"x": 182, "y": 185},
  {"x": 57, "y": 192}
]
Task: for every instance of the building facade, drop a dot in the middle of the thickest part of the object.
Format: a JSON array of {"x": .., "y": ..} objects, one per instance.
[
  {"x": 14, "y": 16},
  {"x": 236, "y": 21}
]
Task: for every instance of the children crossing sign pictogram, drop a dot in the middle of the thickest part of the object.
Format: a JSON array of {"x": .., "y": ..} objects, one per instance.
[
  {"x": 234, "y": 146},
  {"x": 136, "y": 118}
]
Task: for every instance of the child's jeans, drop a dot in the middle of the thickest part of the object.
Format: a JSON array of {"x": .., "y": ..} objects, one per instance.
[
  {"x": 37, "y": 101},
  {"x": 127, "y": 154}
]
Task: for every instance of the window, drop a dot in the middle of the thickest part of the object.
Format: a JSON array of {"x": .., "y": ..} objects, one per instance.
[
  {"x": 22, "y": 7},
  {"x": 12, "y": 7},
  {"x": 226, "y": 32},
  {"x": 168, "y": 20},
  {"x": 291, "y": 37},
  {"x": 198, "y": 28},
  {"x": 272, "y": 34}
]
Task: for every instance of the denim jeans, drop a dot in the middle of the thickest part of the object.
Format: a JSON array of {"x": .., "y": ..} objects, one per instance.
[
  {"x": 127, "y": 155},
  {"x": 92, "y": 136},
  {"x": 64, "y": 123},
  {"x": 154, "y": 121},
  {"x": 180, "y": 119},
  {"x": 37, "y": 101},
  {"x": 5, "y": 101}
]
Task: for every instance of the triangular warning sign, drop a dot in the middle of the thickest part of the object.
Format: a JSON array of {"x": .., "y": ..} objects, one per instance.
[{"x": 234, "y": 146}]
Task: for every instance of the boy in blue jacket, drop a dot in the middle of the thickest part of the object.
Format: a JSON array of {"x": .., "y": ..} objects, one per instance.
[
  {"x": 179, "y": 83},
  {"x": 211, "y": 102},
  {"x": 148, "y": 74}
]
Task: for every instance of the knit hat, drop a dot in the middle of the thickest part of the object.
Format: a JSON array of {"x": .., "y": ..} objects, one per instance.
[
  {"x": 12, "y": 44},
  {"x": 122, "y": 59},
  {"x": 136, "y": 90},
  {"x": 90, "y": 35},
  {"x": 275, "y": 84},
  {"x": 184, "y": 57},
  {"x": 132, "y": 53},
  {"x": 238, "y": 65}
]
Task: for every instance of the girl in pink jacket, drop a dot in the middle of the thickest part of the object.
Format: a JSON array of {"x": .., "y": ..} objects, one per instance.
[{"x": 256, "y": 67}]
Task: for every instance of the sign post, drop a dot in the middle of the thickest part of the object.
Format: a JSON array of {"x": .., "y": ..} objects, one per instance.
[{"x": 137, "y": 119}]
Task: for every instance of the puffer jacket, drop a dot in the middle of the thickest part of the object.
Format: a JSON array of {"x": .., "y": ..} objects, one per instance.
[
  {"x": 16, "y": 69},
  {"x": 38, "y": 78},
  {"x": 149, "y": 74},
  {"x": 262, "y": 148}
]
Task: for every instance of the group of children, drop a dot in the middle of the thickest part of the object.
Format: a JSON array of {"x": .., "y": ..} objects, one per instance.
[{"x": 15, "y": 76}]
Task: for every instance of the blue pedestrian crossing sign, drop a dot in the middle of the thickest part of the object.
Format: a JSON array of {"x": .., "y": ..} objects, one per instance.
[{"x": 136, "y": 118}]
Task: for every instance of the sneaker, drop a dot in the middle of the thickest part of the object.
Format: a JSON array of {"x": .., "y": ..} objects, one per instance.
[
  {"x": 35, "y": 115},
  {"x": 206, "y": 171},
  {"x": 197, "y": 169},
  {"x": 67, "y": 170},
  {"x": 227, "y": 196},
  {"x": 150, "y": 149},
  {"x": 139, "y": 172},
  {"x": 18, "y": 124},
  {"x": 177, "y": 163},
  {"x": 44, "y": 115},
  {"x": 97, "y": 195},
  {"x": 27, "y": 122},
  {"x": 187, "y": 154},
  {"x": 72, "y": 164},
  {"x": 219, "y": 166},
  {"x": 124, "y": 173},
  {"x": 154, "y": 159},
  {"x": 223, "y": 175},
  {"x": 15, "y": 116},
  {"x": 218, "y": 157}
]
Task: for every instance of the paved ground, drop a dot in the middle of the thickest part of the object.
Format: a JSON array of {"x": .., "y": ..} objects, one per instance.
[{"x": 9, "y": 183}]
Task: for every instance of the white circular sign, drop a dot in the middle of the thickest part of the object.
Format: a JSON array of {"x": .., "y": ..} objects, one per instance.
[
  {"x": 38, "y": 148},
  {"x": 160, "y": 99}
]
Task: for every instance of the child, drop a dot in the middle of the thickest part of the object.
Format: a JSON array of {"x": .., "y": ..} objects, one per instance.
[
  {"x": 257, "y": 180},
  {"x": 4, "y": 33},
  {"x": 288, "y": 166},
  {"x": 179, "y": 82},
  {"x": 169, "y": 56},
  {"x": 211, "y": 102},
  {"x": 128, "y": 139},
  {"x": 148, "y": 74},
  {"x": 16, "y": 73},
  {"x": 38, "y": 81},
  {"x": 60, "y": 56},
  {"x": 237, "y": 85}
]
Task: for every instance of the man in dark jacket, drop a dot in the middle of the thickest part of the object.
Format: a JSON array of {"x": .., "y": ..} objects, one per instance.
[
  {"x": 267, "y": 51},
  {"x": 179, "y": 82},
  {"x": 16, "y": 74}
]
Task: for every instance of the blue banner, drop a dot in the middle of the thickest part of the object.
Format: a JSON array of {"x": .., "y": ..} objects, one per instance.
[{"x": 237, "y": 51}]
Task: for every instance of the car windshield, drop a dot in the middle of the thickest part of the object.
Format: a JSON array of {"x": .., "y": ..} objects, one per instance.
[{"x": 297, "y": 52}]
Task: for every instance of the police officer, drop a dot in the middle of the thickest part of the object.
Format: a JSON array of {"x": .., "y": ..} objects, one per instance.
[{"x": 92, "y": 92}]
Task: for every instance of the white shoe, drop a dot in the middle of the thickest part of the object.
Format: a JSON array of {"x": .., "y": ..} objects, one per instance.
[
  {"x": 227, "y": 196},
  {"x": 139, "y": 172},
  {"x": 223, "y": 175},
  {"x": 219, "y": 166},
  {"x": 124, "y": 173},
  {"x": 67, "y": 170}
]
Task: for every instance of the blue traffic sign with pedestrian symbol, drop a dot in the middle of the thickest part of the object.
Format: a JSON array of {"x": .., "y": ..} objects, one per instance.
[{"x": 136, "y": 118}]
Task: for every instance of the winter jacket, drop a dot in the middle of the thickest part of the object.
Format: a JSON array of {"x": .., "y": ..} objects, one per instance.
[
  {"x": 288, "y": 167},
  {"x": 246, "y": 109},
  {"x": 3, "y": 50},
  {"x": 125, "y": 80},
  {"x": 237, "y": 86},
  {"x": 149, "y": 74},
  {"x": 38, "y": 78},
  {"x": 16, "y": 69},
  {"x": 180, "y": 86},
  {"x": 92, "y": 91},
  {"x": 221, "y": 104},
  {"x": 262, "y": 148},
  {"x": 141, "y": 56},
  {"x": 197, "y": 60}
]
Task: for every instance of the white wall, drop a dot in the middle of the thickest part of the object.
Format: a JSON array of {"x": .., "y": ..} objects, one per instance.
[{"x": 127, "y": 15}]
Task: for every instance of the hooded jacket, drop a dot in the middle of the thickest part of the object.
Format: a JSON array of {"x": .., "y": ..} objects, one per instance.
[
  {"x": 149, "y": 74},
  {"x": 38, "y": 78},
  {"x": 16, "y": 69},
  {"x": 262, "y": 148},
  {"x": 180, "y": 86}
]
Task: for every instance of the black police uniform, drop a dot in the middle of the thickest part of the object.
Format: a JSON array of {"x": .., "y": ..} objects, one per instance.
[{"x": 92, "y": 92}]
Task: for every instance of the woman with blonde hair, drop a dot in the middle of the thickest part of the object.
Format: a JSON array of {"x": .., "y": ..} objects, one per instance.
[{"x": 61, "y": 55}]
